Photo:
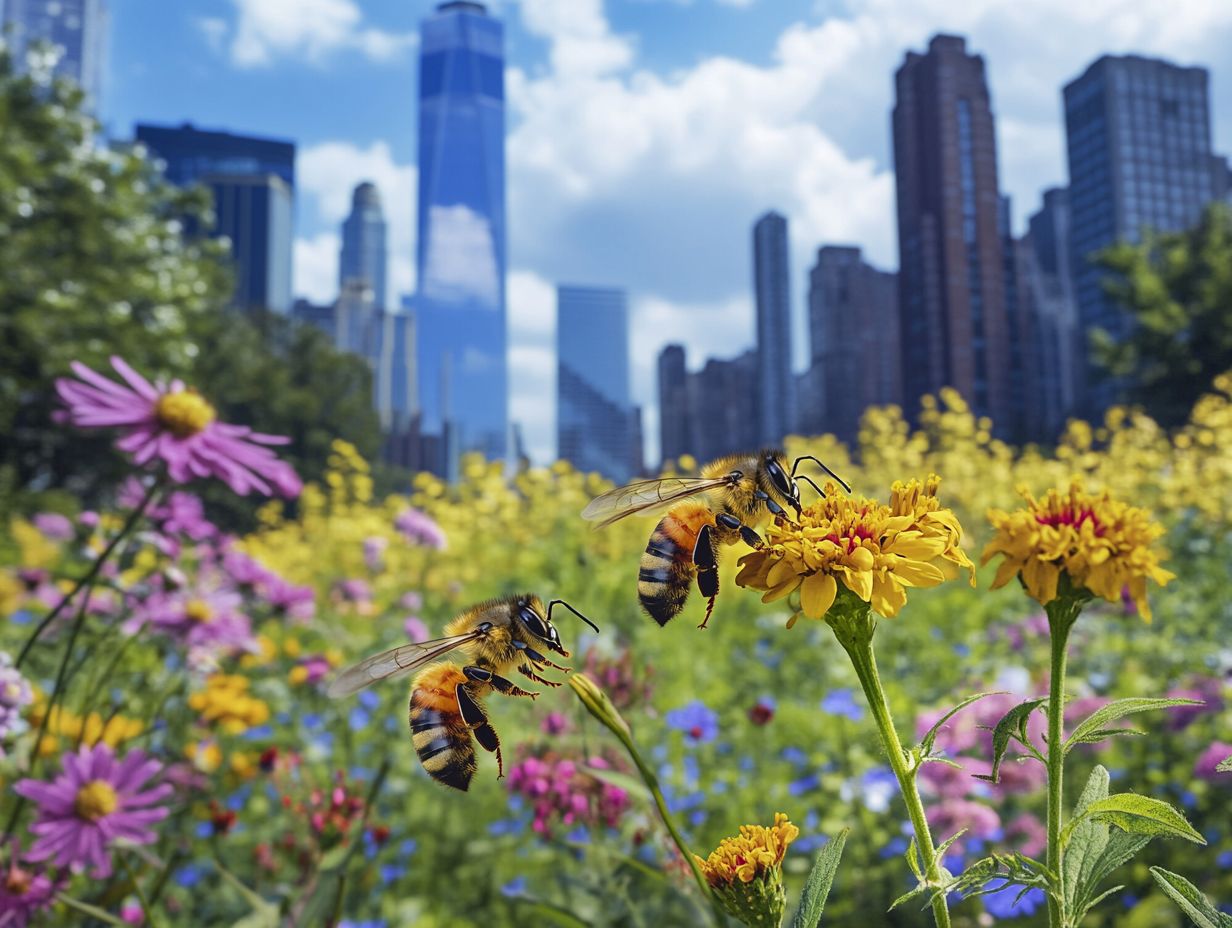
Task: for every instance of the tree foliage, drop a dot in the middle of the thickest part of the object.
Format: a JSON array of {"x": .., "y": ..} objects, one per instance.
[
  {"x": 94, "y": 262},
  {"x": 1177, "y": 286}
]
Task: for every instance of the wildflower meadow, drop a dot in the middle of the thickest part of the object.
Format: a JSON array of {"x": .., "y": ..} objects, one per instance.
[{"x": 875, "y": 691}]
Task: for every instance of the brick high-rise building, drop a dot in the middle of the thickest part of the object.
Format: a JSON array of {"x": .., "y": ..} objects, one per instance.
[
  {"x": 951, "y": 272},
  {"x": 853, "y": 332}
]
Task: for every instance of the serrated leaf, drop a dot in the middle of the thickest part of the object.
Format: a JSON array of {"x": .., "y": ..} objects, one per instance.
[
  {"x": 1139, "y": 815},
  {"x": 911, "y": 894},
  {"x": 913, "y": 860},
  {"x": 945, "y": 845},
  {"x": 1225, "y": 766},
  {"x": 1190, "y": 900},
  {"x": 1013, "y": 723},
  {"x": 1087, "y": 840},
  {"x": 820, "y": 879},
  {"x": 930, "y": 737},
  {"x": 1092, "y": 729}
]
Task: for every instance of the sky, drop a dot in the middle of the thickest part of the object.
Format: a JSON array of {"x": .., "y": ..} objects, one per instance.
[{"x": 645, "y": 137}]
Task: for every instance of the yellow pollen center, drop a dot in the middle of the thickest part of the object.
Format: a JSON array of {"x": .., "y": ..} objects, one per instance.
[
  {"x": 199, "y": 611},
  {"x": 184, "y": 413},
  {"x": 95, "y": 800}
]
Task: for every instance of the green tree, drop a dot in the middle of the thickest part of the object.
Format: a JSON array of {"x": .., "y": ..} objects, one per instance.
[
  {"x": 1177, "y": 286},
  {"x": 94, "y": 262}
]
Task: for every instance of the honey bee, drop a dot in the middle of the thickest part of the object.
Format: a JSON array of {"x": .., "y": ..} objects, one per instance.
[
  {"x": 446, "y": 706},
  {"x": 717, "y": 508}
]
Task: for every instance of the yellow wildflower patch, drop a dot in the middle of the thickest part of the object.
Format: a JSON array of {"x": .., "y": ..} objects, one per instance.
[{"x": 226, "y": 702}]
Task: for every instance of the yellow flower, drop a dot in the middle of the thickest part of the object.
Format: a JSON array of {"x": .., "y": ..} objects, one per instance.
[
  {"x": 876, "y": 550},
  {"x": 206, "y": 756},
  {"x": 225, "y": 701},
  {"x": 63, "y": 724},
  {"x": 1102, "y": 544},
  {"x": 745, "y": 872}
]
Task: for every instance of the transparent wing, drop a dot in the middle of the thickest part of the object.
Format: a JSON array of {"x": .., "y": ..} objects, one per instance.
[
  {"x": 645, "y": 497},
  {"x": 393, "y": 663}
]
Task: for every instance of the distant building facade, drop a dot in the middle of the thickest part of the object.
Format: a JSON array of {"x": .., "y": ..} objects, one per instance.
[
  {"x": 253, "y": 185},
  {"x": 595, "y": 420},
  {"x": 364, "y": 251},
  {"x": 775, "y": 384},
  {"x": 460, "y": 304},
  {"x": 674, "y": 437},
  {"x": 77, "y": 27},
  {"x": 951, "y": 266},
  {"x": 854, "y": 342},
  {"x": 707, "y": 413},
  {"x": 1138, "y": 140}
]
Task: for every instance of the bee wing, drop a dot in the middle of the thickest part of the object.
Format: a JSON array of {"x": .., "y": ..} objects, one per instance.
[
  {"x": 645, "y": 497},
  {"x": 393, "y": 663}
]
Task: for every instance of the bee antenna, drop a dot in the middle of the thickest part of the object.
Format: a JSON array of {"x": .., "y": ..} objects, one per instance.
[
  {"x": 571, "y": 609},
  {"x": 809, "y": 481},
  {"x": 809, "y": 457}
]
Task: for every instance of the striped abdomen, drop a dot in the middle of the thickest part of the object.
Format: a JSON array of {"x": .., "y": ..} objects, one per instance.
[
  {"x": 442, "y": 740},
  {"x": 667, "y": 570}
]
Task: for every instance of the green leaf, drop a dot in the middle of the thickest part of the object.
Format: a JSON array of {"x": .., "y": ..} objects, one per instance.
[
  {"x": 1087, "y": 840},
  {"x": 930, "y": 737},
  {"x": 1093, "y": 729},
  {"x": 817, "y": 887},
  {"x": 1190, "y": 900},
  {"x": 1136, "y": 814},
  {"x": 1225, "y": 766},
  {"x": 264, "y": 913},
  {"x": 1012, "y": 725}
]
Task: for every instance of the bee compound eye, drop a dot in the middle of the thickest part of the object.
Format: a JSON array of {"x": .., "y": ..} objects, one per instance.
[{"x": 533, "y": 622}]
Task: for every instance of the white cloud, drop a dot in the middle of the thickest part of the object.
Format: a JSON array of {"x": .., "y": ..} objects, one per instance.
[
  {"x": 214, "y": 30},
  {"x": 580, "y": 40},
  {"x": 328, "y": 172},
  {"x": 306, "y": 29},
  {"x": 532, "y": 362},
  {"x": 460, "y": 264},
  {"x": 315, "y": 261}
]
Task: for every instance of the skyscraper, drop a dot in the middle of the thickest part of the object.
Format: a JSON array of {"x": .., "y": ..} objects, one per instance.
[
  {"x": 394, "y": 370},
  {"x": 254, "y": 213},
  {"x": 460, "y": 306},
  {"x": 674, "y": 438},
  {"x": 951, "y": 278},
  {"x": 363, "y": 253},
  {"x": 594, "y": 413},
  {"x": 853, "y": 331},
  {"x": 77, "y": 27},
  {"x": 1138, "y": 138},
  {"x": 253, "y": 185},
  {"x": 775, "y": 383}
]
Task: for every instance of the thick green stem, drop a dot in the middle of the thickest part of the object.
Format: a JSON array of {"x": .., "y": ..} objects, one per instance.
[
  {"x": 1060, "y": 622},
  {"x": 859, "y": 647}
]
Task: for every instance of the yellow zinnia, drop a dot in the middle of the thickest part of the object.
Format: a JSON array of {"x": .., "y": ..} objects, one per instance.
[
  {"x": 875, "y": 550},
  {"x": 1101, "y": 544},
  {"x": 226, "y": 702},
  {"x": 746, "y": 872}
]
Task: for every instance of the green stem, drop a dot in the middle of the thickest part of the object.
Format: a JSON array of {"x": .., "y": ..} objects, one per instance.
[
  {"x": 88, "y": 578},
  {"x": 860, "y": 649},
  {"x": 146, "y": 908},
  {"x": 1060, "y": 621}
]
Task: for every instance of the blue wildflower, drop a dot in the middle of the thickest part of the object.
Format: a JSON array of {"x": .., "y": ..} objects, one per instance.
[
  {"x": 842, "y": 702},
  {"x": 804, "y": 785},
  {"x": 369, "y": 700},
  {"x": 698, "y": 722},
  {"x": 793, "y": 755},
  {"x": 514, "y": 888},
  {"x": 1004, "y": 902},
  {"x": 358, "y": 719}
]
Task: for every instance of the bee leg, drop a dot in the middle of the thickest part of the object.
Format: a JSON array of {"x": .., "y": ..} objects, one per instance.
[
  {"x": 477, "y": 720},
  {"x": 775, "y": 510},
  {"x": 705, "y": 559},
  {"x": 497, "y": 682},
  {"x": 531, "y": 675},
  {"x": 537, "y": 659},
  {"x": 728, "y": 521}
]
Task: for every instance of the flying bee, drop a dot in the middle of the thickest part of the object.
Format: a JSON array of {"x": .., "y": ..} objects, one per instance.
[
  {"x": 446, "y": 707},
  {"x": 717, "y": 508}
]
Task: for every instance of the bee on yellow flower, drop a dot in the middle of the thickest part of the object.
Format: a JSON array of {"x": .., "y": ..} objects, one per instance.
[
  {"x": 226, "y": 702},
  {"x": 1101, "y": 544},
  {"x": 746, "y": 872},
  {"x": 873, "y": 549}
]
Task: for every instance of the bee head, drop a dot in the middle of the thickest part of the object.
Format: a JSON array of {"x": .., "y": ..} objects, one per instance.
[
  {"x": 541, "y": 625},
  {"x": 777, "y": 482}
]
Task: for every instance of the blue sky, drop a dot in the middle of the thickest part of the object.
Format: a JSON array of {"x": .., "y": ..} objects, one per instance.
[{"x": 645, "y": 136}]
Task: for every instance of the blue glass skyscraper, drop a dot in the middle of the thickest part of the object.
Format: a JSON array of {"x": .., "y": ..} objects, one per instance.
[
  {"x": 772, "y": 288},
  {"x": 77, "y": 27},
  {"x": 460, "y": 305}
]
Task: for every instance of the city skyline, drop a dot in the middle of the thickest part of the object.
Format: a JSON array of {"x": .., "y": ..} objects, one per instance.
[{"x": 779, "y": 72}]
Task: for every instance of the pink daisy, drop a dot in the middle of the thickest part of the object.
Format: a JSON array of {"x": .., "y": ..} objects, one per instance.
[
  {"x": 95, "y": 801},
  {"x": 175, "y": 424},
  {"x": 208, "y": 616}
]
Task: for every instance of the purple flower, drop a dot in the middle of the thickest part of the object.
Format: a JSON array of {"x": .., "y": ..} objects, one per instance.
[
  {"x": 95, "y": 801},
  {"x": 23, "y": 894},
  {"x": 207, "y": 617},
  {"x": 374, "y": 552},
  {"x": 699, "y": 722},
  {"x": 54, "y": 526},
  {"x": 15, "y": 694},
  {"x": 1207, "y": 690},
  {"x": 295, "y": 602},
  {"x": 1211, "y": 758},
  {"x": 354, "y": 590},
  {"x": 554, "y": 723},
  {"x": 418, "y": 528},
  {"x": 175, "y": 424},
  {"x": 415, "y": 629}
]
